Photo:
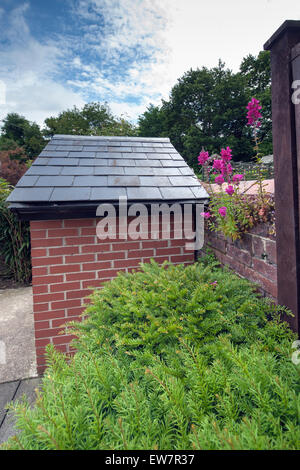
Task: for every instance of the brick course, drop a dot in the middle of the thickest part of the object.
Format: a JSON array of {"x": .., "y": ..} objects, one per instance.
[
  {"x": 68, "y": 259},
  {"x": 252, "y": 257}
]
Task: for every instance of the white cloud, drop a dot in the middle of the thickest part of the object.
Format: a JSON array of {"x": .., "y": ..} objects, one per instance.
[
  {"x": 128, "y": 52},
  {"x": 28, "y": 69}
]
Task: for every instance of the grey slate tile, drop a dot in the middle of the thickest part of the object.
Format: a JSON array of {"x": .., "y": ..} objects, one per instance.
[
  {"x": 139, "y": 171},
  {"x": 83, "y": 154},
  {"x": 151, "y": 144},
  {"x": 109, "y": 155},
  {"x": 70, "y": 194},
  {"x": 77, "y": 170},
  {"x": 144, "y": 149},
  {"x": 119, "y": 149},
  {"x": 155, "y": 181},
  {"x": 135, "y": 155},
  {"x": 93, "y": 162},
  {"x": 173, "y": 163},
  {"x": 30, "y": 195},
  {"x": 64, "y": 161},
  {"x": 199, "y": 192},
  {"x": 53, "y": 153},
  {"x": 185, "y": 170},
  {"x": 69, "y": 148},
  {"x": 109, "y": 170},
  {"x": 123, "y": 181},
  {"x": 90, "y": 181},
  {"x": 166, "y": 150},
  {"x": 166, "y": 171},
  {"x": 142, "y": 193},
  {"x": 160, "y": 156},
  {"x": 42, "y": 161},
  {"x": 93, "y": 143},
  {"x": 177, "y": 193},
  {"x": 94, "y": 148},
  {"x": 107, "y": 193},
  {"x": 44, "y": 170},
  {"x": 119, "y": 162},
  {"x": 54, "y": 181},
  {"x": 184, "y": 181},
  {"x": 27, "y": 180},
  {"x": 148, "y": 163},
  {"x": 176, "y": 156}
]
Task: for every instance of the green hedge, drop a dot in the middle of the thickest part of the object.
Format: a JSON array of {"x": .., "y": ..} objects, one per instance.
[{"x": 170, "y": 358}]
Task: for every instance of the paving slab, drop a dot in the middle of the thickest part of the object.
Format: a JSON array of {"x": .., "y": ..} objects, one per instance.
[
  {"x": 12, "y": 392},
  {"x": 17, "y": 349}
]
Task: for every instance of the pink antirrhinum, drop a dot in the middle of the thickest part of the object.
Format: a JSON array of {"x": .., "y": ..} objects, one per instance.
[
  {"x": 237, "y": 178},
  {"x": 223, "y": 211},
  {"x": 206, "y": 215},
  {"x": 203, "y": 157},
  {"x": 226, "y": 154},
  {"x": 254, "y": 114},
  {"x": 230, "y": 190},
  {"x": 219, "y": 179}
]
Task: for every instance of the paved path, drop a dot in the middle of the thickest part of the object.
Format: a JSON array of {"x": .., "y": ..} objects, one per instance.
[
  {"x": 12, "y": 391},
  {"x": 17, "y": 351}
]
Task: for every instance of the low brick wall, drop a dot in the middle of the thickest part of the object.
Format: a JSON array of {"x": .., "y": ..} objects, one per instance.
[
  {"x": 68, "y": 260},
  {"x": 252, "y": 257}
]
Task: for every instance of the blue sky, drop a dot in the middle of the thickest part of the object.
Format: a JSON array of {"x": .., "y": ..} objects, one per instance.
[{"x": 129, "y": 53}]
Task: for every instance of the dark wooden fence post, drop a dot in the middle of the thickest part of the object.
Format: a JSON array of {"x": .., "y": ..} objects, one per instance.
[{"x": 285, "y": 68}]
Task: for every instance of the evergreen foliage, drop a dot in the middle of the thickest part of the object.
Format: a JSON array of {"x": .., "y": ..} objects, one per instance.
[{"x": 170, "y": 358}]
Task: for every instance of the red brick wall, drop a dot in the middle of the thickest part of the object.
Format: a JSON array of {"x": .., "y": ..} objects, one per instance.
[
  {"x": 68, "y": 259},
  {"x": 252, "y": 257}
]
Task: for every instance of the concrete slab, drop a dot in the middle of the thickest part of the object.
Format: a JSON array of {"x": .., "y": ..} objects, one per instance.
[
  {"x": 14, "y": 391},
  {"x": 17, "y": 349}
]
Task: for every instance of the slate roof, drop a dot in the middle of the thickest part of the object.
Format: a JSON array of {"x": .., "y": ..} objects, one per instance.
[{"x": 94, "y": 169}]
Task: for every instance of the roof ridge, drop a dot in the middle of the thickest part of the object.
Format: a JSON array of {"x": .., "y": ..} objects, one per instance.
[{"x": 109, "y": 138}]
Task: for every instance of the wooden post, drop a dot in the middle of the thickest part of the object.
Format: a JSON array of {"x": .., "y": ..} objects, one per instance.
[{"x": 285, "y": 69}]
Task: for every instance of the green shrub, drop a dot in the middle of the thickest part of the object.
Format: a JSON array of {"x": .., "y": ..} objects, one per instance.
[
  {"x": 14, "y": 240},
  {"x": 170, "y": 358}
]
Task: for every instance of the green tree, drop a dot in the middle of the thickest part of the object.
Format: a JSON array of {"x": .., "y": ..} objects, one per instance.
[
  {"x": 207, "y": 108},
  {"x": 18, "y": 132},
  {"x": 151, "y": 122},
  {"x": 93, "y": 119}
]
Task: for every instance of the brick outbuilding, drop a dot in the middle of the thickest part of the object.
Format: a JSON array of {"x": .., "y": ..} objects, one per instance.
[{"x": 60, "y": 194}]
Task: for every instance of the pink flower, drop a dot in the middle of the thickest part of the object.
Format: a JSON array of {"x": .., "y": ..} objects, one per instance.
[
  {"x": 228, "y": 168},
  {"x": 230, "y": 190},
  {"x": 206, "y": 215},
  {"x": 237, "y": 178},
  {"x": 203, "y": 157},
  {"x": 223, "y": 211},
  {"x": 226, "y": 154},
  {"x": 219, "y": 179},
  {"x": 218, "y": 165},
  {"x": 254, "y": 114}
]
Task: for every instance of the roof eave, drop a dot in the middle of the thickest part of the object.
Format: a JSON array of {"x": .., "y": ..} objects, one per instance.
[{"x": 78, "y": 210}]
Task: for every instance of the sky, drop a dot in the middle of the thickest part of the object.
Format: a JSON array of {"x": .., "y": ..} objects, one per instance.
[{"x": 56, "y": 54}]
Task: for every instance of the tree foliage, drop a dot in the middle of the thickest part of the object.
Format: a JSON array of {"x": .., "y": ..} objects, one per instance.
[
  {"x": 19, "y": 132},
  {"x": 93, "y": 119},
  {"x": 206, "y": 108}
]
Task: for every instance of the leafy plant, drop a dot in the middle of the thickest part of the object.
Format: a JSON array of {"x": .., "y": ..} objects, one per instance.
[
  {"x": 14, "y": 239},
  {"x": 170, "y": 358},
  {"x": 231, "y": 210}
]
